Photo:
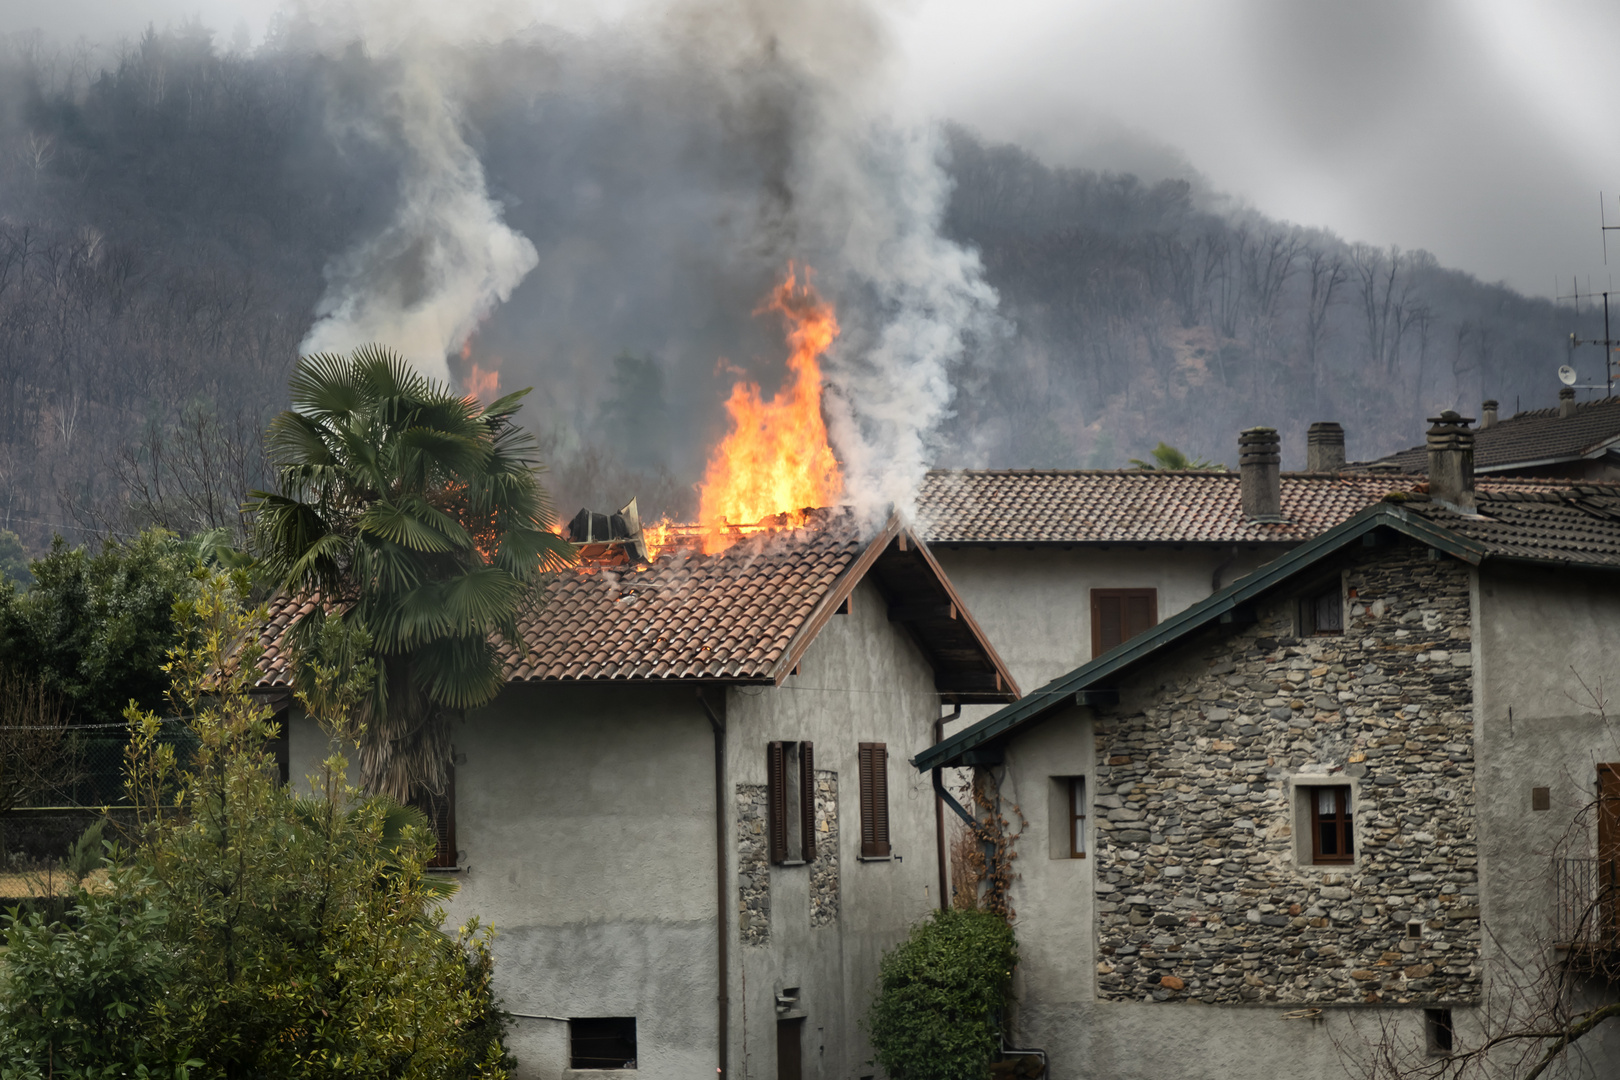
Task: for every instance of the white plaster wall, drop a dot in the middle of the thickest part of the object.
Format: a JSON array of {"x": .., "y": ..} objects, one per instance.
[
  {"x": 585, "y": 815},
  {"x": 1540, "y": 635},
  {"x": 863, "y": 680},
  {"x": 1034, "y": 602}
]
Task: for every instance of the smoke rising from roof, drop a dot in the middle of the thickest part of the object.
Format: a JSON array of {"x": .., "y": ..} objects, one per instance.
[{"x": 655, "y": 174}]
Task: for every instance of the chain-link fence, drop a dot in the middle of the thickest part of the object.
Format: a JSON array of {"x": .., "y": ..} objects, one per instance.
[{"x": 92, "y": 767}]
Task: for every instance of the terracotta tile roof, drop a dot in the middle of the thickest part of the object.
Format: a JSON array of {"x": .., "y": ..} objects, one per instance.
[
  {"x": 1578, "y": 523},
  {"x": 687, "y": 615},
  {"x": 684, "y": 616},
  {"x": 1537, "y": 435},
  {"x": 1131, "y": 506}
]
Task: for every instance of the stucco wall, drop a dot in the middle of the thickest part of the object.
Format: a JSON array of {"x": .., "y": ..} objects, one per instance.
[
  {"x": 863, "y": 680},
  {"x": 586, "y": 819},
  {"x": 1542, "y": 635},
  {"x": 1034, "y": 603}
]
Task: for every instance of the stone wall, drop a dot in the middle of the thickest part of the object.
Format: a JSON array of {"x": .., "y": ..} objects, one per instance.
[
  {"x": 754, "y": 860},
  {"x": 824, "y": 870},
  {"x": 753, "y": 866},
  {"x": 1203, "y": 894}
]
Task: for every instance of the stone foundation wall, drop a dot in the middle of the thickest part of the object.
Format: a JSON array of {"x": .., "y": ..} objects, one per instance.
[{"x": 1202, "y": 891}]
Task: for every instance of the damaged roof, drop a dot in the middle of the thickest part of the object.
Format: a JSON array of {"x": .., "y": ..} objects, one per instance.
[
  {"x": 1574, "y": 526},
  {"x": 1536, "y": 437},
  {"x": 746, "y": 614}
]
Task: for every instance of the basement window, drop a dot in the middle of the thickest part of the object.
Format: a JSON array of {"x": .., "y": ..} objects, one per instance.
[
  {"x": 790, "y": 801},
  {"x": 602, "y": 1042}
]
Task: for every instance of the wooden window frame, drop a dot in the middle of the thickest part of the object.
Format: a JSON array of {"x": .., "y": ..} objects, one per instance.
[
  {"x": 1344, "y": 825},
  {"x": 874, "y": 785},
  {"x": 1121, "y": 595},
  {"x": 1077, "y": 817},
  {"x": 1310, "y": 605},
  {"x": 783, "y": 852}
]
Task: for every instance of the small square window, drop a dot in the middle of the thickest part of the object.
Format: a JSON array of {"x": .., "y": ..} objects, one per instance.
[
  {"x": 1333, "y": 833},
  {"x": 602, "y": 1042},
  {"x": 1437, "y": 1028},
  {"x": 1322, "y": 613}
]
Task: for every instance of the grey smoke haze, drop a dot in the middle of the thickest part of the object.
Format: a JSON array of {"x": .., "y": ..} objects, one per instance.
[{"x": 1478, "y": 129}]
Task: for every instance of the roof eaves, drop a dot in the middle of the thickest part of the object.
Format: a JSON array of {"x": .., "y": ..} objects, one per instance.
[
  {"x": 841, "y": 588},
  {"x": 1061, "y": 690}
]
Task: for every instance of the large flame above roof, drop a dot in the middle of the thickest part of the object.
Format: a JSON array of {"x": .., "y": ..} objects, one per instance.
[{"x": 775, "y": 460}]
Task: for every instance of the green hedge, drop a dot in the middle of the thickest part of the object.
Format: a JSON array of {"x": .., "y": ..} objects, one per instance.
[{"x": 940, "y": 995}]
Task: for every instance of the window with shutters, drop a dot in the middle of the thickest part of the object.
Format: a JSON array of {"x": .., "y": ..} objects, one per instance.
[
  {"x": 441, "y": 814},
  {"x": 874, "y": 771},
  {"x": 1117, "y": 615},
  {"x": 790, "y": 801}
]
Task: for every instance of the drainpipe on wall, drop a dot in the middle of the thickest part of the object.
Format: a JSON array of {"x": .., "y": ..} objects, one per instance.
[
  {"x": 939, "y": 811},
  {"x": 723, "y": 993}
]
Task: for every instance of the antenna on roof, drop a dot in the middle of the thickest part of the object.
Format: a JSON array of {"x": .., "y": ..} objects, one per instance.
[
  {"x": 1607, "y": 341},
  {"x": 1566, "y": 375}
]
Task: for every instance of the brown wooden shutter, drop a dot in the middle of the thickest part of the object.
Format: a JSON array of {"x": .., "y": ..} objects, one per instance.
[
  {"x": 874, "y": 777},
  {"x": 1107, "y": 621},
  {"x": 807, "y": 800},
  {"x": 1117, "y": 615},
  {"x": 776, "y": 800},
  {"x": 441, "y": 814}
]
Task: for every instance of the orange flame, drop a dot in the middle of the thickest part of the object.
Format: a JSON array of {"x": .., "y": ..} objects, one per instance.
[
  {"x": 481, "y": 384},
  {"x": 776, "y": 460}
]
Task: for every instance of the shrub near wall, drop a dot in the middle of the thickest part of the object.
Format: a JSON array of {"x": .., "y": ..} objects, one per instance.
[{"x": 940, "y": 995}]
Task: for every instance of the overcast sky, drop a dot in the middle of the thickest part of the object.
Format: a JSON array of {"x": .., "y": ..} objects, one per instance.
[{"x": 1481, "y": 130}]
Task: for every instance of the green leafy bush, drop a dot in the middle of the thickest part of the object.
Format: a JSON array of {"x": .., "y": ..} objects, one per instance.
[
  {"x": 940, "y": 994},
  {"x": 246, "y": 931}
]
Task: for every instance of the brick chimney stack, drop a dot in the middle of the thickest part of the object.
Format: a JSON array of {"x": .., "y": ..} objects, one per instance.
[
  {"x": 1451, "y": 461},
  {"x": 1324, "y": 447},
  {"x": 1566, "y": 401},
  {"x": 1258, "y": 479},
  {"x": 1487, "y": 416}
]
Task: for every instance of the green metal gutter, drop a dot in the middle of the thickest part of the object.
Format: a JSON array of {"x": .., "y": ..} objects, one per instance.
[{"x": 1073, "y": 688}]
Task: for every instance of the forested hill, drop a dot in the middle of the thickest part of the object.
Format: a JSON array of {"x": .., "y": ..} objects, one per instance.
[
  {"x": 1141, "y": 313},
  {"x": 166, "y": 217}
]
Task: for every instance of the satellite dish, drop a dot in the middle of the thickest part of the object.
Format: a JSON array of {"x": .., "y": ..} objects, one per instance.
[{"x": 1566, "y": 375}]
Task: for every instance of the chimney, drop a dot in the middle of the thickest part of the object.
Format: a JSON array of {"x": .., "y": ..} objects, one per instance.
[
  {"x": 1451, "y": 461},
  {"x": 1566, "y": 401},
  {"x": 1487, "y": 416},
  {"x": 1257, "y": 474},
  {"x": 1324, "y": 447}
]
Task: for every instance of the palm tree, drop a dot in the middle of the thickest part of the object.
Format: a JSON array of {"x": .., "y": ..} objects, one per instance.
[
  {"x": 418, "y": 516},
  {"x": 1166, "y": 456}
]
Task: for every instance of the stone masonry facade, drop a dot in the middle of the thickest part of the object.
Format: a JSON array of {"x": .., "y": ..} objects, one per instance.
[
  {"x": 753, "y": 866},
  {"x": 1204, "y": 891},
  {"x": 824, "y": 870},
  {"x": 754, "y": 860}
]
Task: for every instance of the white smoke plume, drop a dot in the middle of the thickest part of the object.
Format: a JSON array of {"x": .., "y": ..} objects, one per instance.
[
  {"x": 425, "y": 281},
  {"x": 673, "y": 160}
]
